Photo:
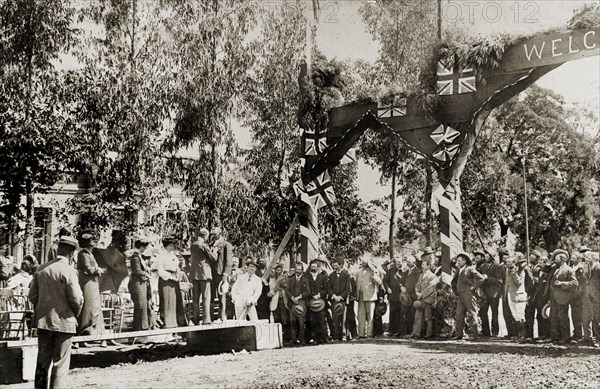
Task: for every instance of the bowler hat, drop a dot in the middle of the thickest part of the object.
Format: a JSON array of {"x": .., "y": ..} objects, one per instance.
[
  {"x": 380, "y": 308},
  {"x": 299, "y": 310},
  {"x": 338, "y": 308},
  {"x": 223, "y": 287},
  {"x": 405, "y": 299},
  {"x": 557, "y": 252},
  {"x": 418, "y": 304},
  {"x": 68, "y": 240},
  {"x": 316, "y": 305},
  {"x": 546, "y": 311}
]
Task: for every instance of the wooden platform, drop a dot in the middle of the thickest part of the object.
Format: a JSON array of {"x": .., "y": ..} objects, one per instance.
[{"x": 18, "y": 358}]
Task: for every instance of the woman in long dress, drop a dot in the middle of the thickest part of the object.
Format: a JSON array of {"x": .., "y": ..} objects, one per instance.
[
  {"x": 139, "y": 285},
  {"x": 90, "y": 321},
  {"x": 169, "y": 293}
]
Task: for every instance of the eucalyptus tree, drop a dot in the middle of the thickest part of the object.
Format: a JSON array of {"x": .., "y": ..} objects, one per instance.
[{"x": 37, "y": 131}]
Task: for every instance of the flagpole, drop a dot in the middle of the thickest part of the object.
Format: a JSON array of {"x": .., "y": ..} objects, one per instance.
[{"x": 526, "y": 211}]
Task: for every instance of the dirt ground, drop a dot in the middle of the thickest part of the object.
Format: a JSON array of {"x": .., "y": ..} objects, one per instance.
[{"x": 382, "y": 362}]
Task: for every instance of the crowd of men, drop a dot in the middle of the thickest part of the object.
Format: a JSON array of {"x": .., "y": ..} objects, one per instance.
[
  {"x": 332, "y": 301},
  {"x": 320, "y": 302}
]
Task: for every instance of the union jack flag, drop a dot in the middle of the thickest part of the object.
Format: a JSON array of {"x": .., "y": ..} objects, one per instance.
[
  {"x": 453, "y": 80},
  {"x": 314, "y": 143},
  {"x": 319, "y": 192},
  {"x": 394, "y": 109},
  {"x": 444, "y": 134}
]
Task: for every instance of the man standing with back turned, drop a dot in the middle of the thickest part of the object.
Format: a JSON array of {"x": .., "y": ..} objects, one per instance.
[{"x": 58, "y": 300}]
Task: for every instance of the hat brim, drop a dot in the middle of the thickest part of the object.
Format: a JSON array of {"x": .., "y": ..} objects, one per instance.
[
  {"x": 405, "y": 300},
  {"x": 546, "y": 311}
]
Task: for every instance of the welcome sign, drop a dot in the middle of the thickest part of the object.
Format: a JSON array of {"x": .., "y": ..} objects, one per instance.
[{"x": 552, "y": 49}]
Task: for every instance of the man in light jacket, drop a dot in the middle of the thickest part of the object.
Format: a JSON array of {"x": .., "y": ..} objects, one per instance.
[
  {"x": 246, "y": 291},
  {"x": 367, "y": 286},
  {"x": 57, "y": 299}
]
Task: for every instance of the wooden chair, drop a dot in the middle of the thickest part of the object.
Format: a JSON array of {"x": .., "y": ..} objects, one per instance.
[
  {"x": 108, "y": 309},
  {"x": 124, "y": 314},
  {"x": 186, "y": 295},
  {"x": 15, "y": 310}
]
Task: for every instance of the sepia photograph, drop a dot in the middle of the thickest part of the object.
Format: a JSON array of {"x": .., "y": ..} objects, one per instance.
[{"x": 299, "y": 194}]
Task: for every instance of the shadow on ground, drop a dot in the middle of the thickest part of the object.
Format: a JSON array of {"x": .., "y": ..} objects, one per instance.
[
  {"x": 98, "y": 357},
  {"x": 487, "y": 346}
]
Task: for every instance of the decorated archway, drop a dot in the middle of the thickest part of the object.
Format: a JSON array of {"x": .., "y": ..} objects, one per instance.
[{"x": 466, "y": 87}]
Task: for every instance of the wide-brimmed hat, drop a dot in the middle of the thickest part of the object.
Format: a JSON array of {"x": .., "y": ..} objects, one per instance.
[
  {"x": 546, "y": 311},
  {"x": 68, "y": 240},
  {"x": 142, "y": 238},
  {"x": 316, "y": 305},
  {"x": 466, "y": 256},
  {"x": 380, "y": 308},
  {"x": 167, "y": 240},
  {"x": 405, "y": 299},
  {"x": 479, "y": 252},
  {"x": 337, "y": 308},
  {"x": 520, "y": 259},
  {"x": 251, "y": 261},
  {"x": 418, "y": 304},
  {"x": 583, "y": 249},
  {"x": 427, "y": 251},
  {"x": 299, "y": 310},
  {"x": 216, "y": 231},
  {"x": 282, "y": 282},
  {"x": 557, "y": 252},
  {"x": 536, "y": 253},
  {"x": 223, "y": 287}
]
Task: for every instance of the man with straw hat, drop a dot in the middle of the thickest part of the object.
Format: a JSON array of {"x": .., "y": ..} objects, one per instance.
[{"x": 246, "y": 291}]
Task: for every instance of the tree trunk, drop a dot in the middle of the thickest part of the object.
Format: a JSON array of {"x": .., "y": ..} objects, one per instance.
[
  {"x": 428, "y": 194},
  {"x": 30, "y": 221},
  {"x": 392, "y": 237}
]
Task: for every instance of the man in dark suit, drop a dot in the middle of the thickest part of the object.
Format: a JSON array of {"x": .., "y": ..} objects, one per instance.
[
  {"x": 530, "y": 311},
  {"x": 201, "y": 276},
  {"x": 410, "y": 277},
  {"x": 392, "y": 282},
  {"x": 317, "y": 283},
  {"x": 563, "y": 284},
  {"x": 577, "y": 301},
  {"x": 465, "y": 283},
  {"x": 223, "y": 252},
  {"x": 298, "y": 292},
  {"x": 492, "y": 290},
  {"x": 338, "y": 289},
  {"x": 541, "y": 296},
  {"x": 351, "y": 327},
  {"x": 593, "y": 290},
  {"x": 57, "y": 299}
]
